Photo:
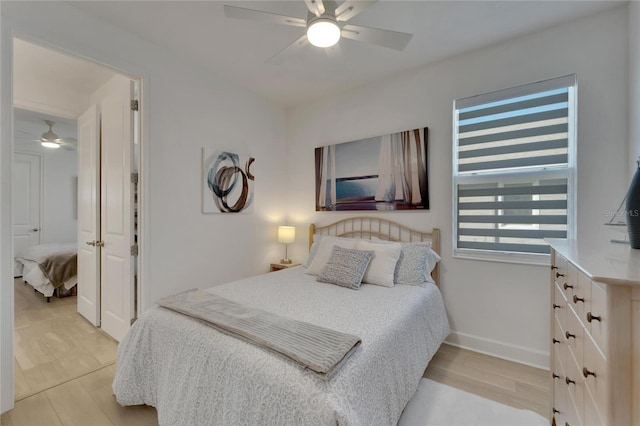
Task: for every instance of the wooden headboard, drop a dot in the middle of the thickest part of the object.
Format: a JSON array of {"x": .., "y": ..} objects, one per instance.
[{"x": 374, "y": 227}]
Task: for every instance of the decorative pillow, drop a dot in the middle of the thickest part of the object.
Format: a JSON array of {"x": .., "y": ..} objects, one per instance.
[
  {"x": 383, "y": 264},
  {"x": 345, "y": 267},
  {"x": 324, "y": 252},
  {"x": 416, "y": 262}
]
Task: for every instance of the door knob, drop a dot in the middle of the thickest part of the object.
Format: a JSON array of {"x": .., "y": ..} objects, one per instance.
[
  {"x": 91, "y": 243},
  {"x": 100, "y": 243},
  {"x": 35, "y": 229}
]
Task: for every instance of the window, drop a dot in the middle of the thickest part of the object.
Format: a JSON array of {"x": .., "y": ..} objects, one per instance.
[{"x": 514, "y": 169}]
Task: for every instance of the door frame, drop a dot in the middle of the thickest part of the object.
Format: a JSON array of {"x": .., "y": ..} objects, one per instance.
[{"x": 49, "y": 39}]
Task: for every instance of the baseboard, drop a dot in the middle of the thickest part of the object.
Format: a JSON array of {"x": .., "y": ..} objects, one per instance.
[{"x": 515, "y": 353}]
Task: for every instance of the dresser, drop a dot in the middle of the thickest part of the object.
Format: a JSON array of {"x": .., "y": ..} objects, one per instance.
[{"x": 595, "y": 334}]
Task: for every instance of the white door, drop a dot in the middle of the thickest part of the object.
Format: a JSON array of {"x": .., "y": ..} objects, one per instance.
[
  {"x": 89, "y": 215},
  {"x": 117, "y": 272},
  {"x": 25, "y": 193}
]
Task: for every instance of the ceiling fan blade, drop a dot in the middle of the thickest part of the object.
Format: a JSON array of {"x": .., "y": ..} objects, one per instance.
[
  {"x": 351, "y": 8},
  {"x": 315, "y": 6},
  {"x": 391, "y": 39},
  {"x": 292, "y": 48},
  {"x": 257, "y": 15}
]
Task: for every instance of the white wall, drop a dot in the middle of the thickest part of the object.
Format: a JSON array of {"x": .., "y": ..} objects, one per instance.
[
  {"x": 497, "y": 308},
  {"x": 634, "y": 85},
  {"x": 184, "y": 108},
  {"x": 59, "y": 220}
]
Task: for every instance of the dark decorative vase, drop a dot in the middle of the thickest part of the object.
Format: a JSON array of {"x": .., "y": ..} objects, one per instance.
[{"x": 633, "y": 210}]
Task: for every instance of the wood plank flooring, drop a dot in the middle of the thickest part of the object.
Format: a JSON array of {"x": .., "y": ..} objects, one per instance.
[
  {"x": 507, "y": 382},
  {"x": 87, "y": 398}
]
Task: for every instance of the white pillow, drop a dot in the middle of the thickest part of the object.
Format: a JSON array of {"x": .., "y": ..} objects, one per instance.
[
  {"x": 383, "y": 263},
  {"x": 324, "y": 252},
  {"x": 313, "y": 250}
]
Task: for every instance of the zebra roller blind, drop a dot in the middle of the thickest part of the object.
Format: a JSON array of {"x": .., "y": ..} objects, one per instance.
[{"x": 513, "y": 167}]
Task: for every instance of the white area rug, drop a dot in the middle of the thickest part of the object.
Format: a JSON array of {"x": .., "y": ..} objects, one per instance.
[{"x": 438, "y": 404}]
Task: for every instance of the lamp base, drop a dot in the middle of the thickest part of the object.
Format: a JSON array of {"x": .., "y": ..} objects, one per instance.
[{"x": 285, "y": 261}]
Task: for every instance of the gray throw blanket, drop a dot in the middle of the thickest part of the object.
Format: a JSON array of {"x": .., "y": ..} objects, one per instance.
[
  {"x": 59, "y": 267},
  {"x": 317, "y": 348}
]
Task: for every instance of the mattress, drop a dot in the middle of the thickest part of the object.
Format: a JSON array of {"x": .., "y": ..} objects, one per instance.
[{"x": 195, "y": 375}]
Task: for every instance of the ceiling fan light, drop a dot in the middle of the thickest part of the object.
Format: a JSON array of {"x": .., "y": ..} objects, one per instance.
[
  {"x": 48, "y": 144},
  {"x": 323, "y": 32}
]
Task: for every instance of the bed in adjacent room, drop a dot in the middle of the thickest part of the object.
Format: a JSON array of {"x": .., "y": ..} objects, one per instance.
[
  {"x": 50, "y": 267},
  {"x": 194, "y": 374}
]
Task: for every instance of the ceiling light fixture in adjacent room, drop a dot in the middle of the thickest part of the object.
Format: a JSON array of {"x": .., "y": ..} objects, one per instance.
[
  {"x": 323, "y": 32},
  {"x": 49, "y": 139},
  {"x": 48, "y": 144}
]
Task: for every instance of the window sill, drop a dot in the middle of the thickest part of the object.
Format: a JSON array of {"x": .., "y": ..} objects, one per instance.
[{"x": 503, "y": 257}]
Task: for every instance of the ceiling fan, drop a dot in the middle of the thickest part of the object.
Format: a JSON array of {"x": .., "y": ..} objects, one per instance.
[
  {"x": 325, "y": 25},
  {"x": 50, "y": 139}
]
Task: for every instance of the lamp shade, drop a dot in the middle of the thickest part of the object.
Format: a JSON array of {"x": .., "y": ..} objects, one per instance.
[{"x": 286, "y": 234}]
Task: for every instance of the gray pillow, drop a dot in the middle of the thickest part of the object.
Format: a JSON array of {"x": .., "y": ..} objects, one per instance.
[
  {"x": 415, "y": 264},
  {"x": 345, "y": 267}
]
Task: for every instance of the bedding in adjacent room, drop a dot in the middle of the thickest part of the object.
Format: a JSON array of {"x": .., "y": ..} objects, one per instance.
[{"x": 49, "y": 266}]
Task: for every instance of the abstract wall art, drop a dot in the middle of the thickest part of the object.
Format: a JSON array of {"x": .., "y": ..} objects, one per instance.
[
  {"x": 388, "y": 172},
  {"x": 227, "y": 182}
]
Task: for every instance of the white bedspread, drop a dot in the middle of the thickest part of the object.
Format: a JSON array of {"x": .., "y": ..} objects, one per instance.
[{"x": 195, "y": 375}]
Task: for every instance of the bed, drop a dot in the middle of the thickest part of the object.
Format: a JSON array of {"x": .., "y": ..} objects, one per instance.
[
  {"x": 195, "y": 375},
  {"x": 49, "y": 267}
]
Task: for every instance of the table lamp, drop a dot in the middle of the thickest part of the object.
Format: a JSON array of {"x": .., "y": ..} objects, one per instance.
[{"x": 286, "y": 235}]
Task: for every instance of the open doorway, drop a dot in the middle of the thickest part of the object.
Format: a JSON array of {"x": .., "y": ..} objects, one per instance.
[{"x": 75, "y": 158}]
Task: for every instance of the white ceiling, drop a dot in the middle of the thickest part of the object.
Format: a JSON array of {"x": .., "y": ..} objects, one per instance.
[
  {"x": 237, "y": 50},
  {"x": 34, "y": 64}
]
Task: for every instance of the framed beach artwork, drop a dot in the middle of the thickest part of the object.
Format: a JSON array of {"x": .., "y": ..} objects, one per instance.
[
  {"x": 385, "y": 173},
  {"x": 227, "y": 182}
]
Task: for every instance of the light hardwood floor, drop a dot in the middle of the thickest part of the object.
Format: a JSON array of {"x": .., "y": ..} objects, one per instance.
[
  {"x": 507, "y": 382},
  {"x": 88, "y": 399}
]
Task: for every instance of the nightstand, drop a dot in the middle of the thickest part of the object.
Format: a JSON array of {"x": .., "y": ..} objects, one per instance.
[{"x": 281, "y": 266}]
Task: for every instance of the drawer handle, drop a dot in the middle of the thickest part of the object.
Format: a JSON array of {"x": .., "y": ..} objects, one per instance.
[
  {"x": 556, "y": 341},
  {"x": 553, "y": 267},
  {"x": 555, "y": 376},
  {"x": 591, "y": 317},
  {"x": 577, "y": 299},
  {"x": 586, "y": 373},
  {"x": 558, "y": 275},
  {"x": 556, "y": 306},
  {"x": 566, "y": 286},
  {"x": 569, "y": 381},
  {"x": 568, "y": 335}
]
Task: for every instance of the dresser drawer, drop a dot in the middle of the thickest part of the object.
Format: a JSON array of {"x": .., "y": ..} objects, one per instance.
[
  {"x": 575, "y": 387},
  {"x": 591, "y": 414},
  {"x": 574, "y": 334},
  {"x": 570, "y": 285},
  {"x": 560, "y": 307},
  {"x": 561, "y": 271},
  {"x": 581, "y": 300},
  {"x": 598, "y": 316},
  {"x": 596, "y": 380},
  {"x": 559, "y": 347},
  {"x": 560, "y": 403}
]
